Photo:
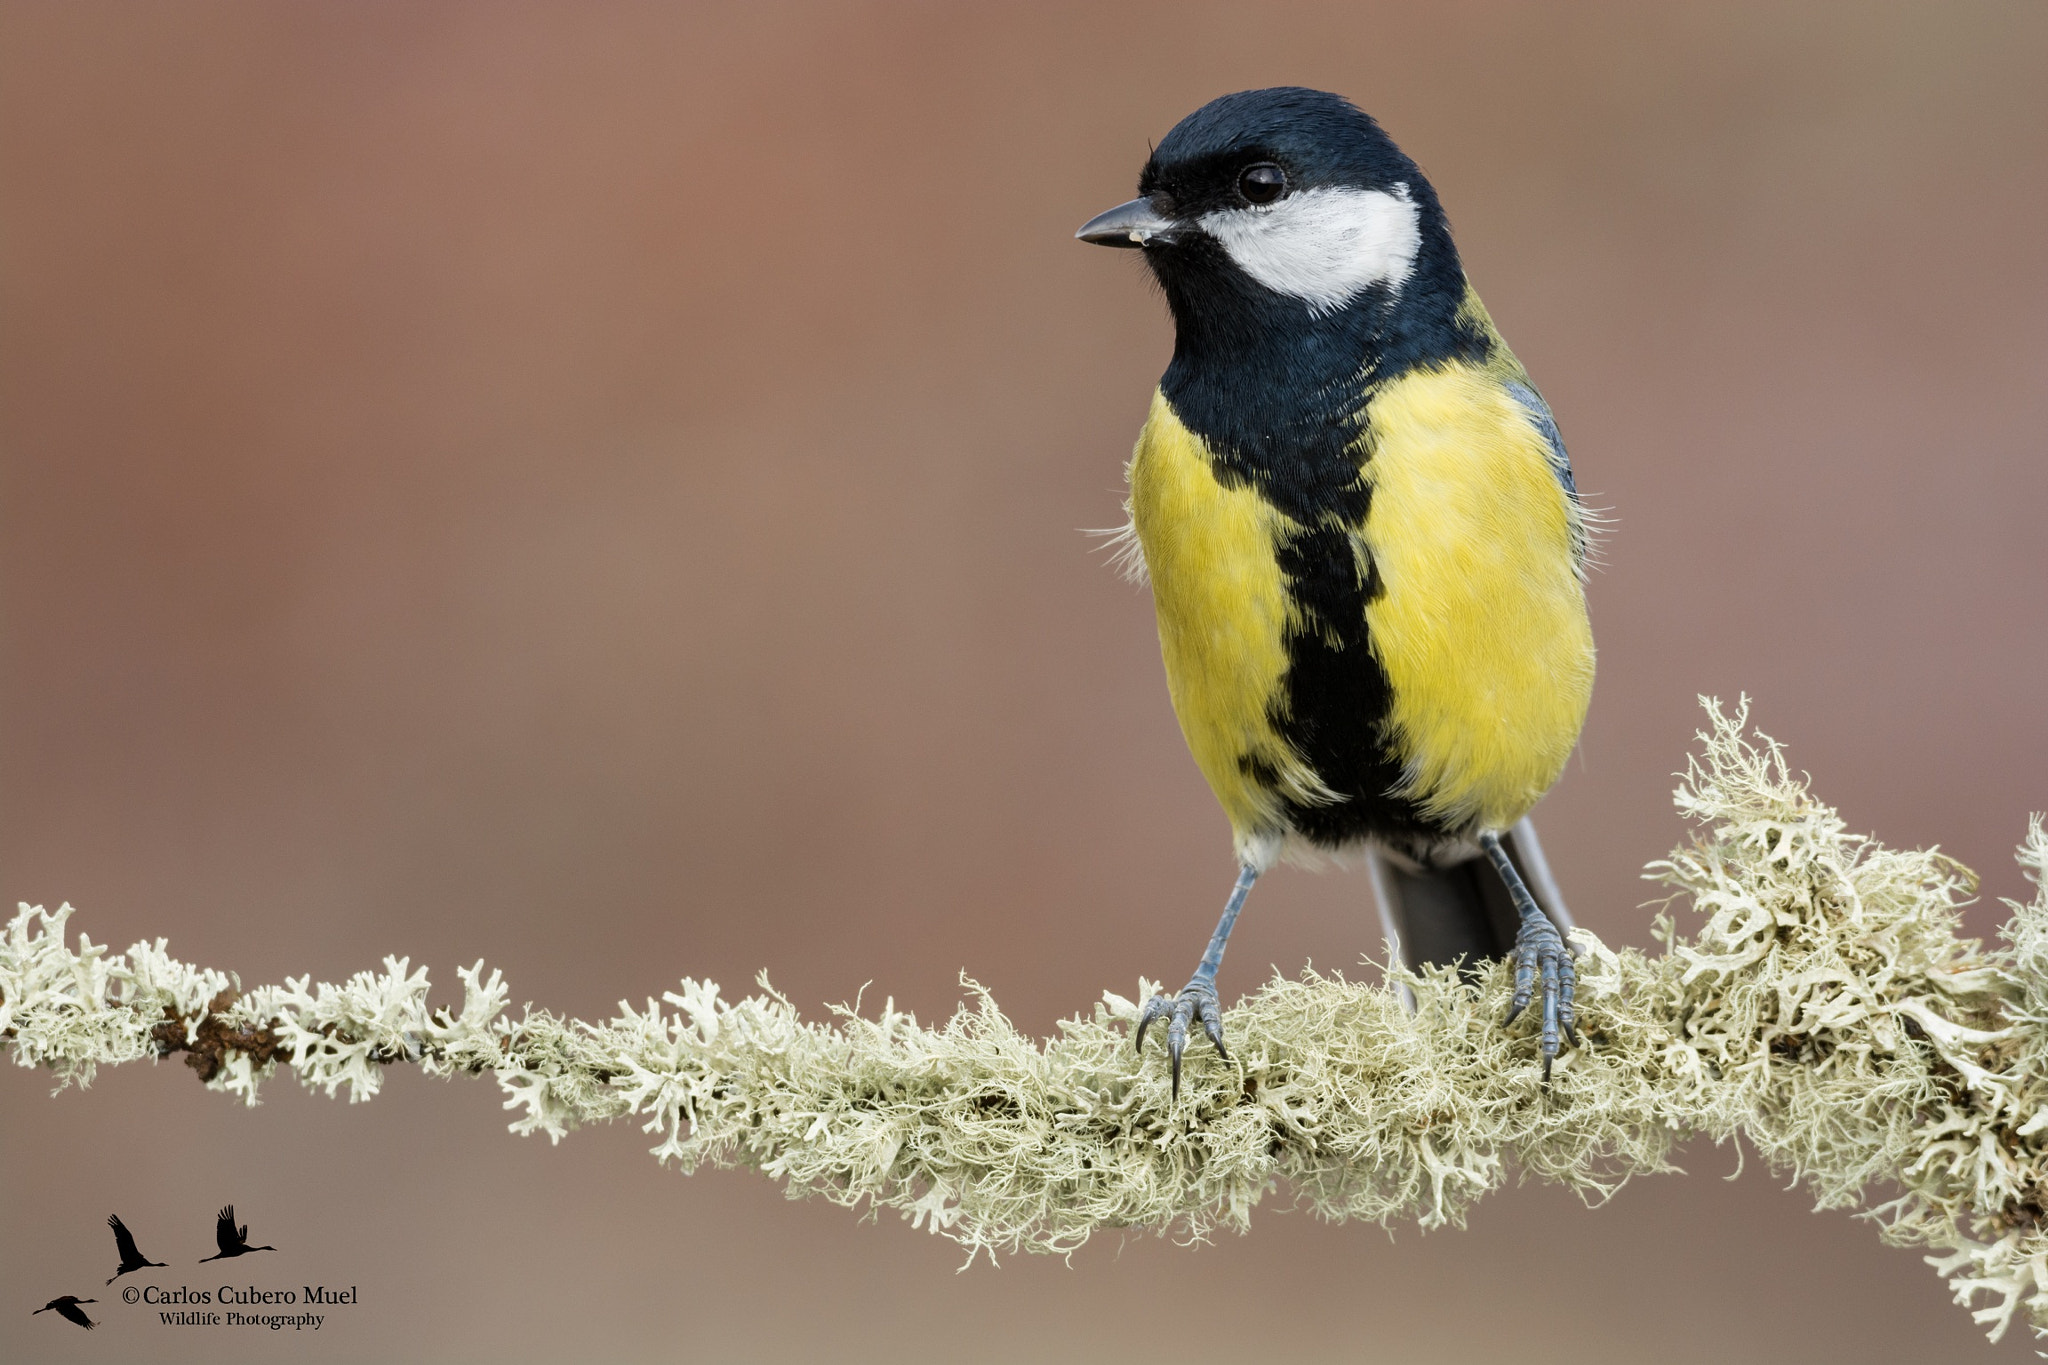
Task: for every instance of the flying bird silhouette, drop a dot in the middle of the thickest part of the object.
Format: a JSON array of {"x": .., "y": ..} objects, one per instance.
[
  {"x": 124, "y": 1242},
  {"x": 234, "y": 1241},
  {"x": 67, "y": 1307}
]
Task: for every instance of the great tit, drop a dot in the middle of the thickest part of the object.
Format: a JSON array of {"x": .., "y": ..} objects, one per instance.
[{"x": 1366, "y": 552}]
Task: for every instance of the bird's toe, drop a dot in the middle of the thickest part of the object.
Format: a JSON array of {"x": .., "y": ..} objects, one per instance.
[
  {"x": 1545, "y": 973},
  {"x": 1197, "y": 1001}
]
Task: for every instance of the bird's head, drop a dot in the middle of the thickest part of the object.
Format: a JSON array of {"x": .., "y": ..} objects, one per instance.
[{"x": 1286, "y": 197}]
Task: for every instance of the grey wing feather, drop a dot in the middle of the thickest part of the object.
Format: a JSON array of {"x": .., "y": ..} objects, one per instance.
[
  {"x": 1539, "y": 414},
  {"x": 1584, "y": 521}
]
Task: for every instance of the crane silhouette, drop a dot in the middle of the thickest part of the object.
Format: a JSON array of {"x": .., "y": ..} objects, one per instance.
[
  {"x": 124, "y": 1242},
  {"x": 67, "y": 1308},
  {"x": 234, "y": 1241}
]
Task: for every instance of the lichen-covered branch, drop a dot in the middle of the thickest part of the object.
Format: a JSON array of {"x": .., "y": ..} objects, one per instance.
[{"x": 1812, "y": 998}]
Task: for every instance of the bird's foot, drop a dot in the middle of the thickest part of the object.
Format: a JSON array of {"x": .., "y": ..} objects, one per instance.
[
  {"x": 1197, "y": 1000},
  {"x": 1542, "y": 957}
]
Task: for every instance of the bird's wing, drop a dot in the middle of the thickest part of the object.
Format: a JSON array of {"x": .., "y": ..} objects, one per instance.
[
  {"x": 1539, "y": 416},
  {"x": 1586, "y": 522},
  {"x": 75, "y": 1314},
  {"x": 124, "y": 1240},
  {"x": 224, "y": 1229}
]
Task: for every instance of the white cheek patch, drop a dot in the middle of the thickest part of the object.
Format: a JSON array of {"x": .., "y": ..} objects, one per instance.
[{"x": 1325, "y": 246}]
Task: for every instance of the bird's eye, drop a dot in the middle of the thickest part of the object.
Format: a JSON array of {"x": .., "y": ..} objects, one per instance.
[{"x": 1262, "y": 184}]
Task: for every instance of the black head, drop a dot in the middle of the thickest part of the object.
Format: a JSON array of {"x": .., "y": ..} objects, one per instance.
[
  {"x": 1287, "y": 200},
  {"x": 1306, "y": 259},
  {"x": 1223, "y": 156}
]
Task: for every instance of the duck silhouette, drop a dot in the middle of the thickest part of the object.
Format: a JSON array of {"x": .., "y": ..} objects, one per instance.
[
  {"x": 67, "y": 1308},
  {"x": 124, "y": 1242},
  {"x": 234, "y": 1241}
]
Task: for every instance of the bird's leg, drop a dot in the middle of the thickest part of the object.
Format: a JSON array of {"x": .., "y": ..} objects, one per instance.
[
  {"x": 1540, "y": 954},
  {"x": 1197, "y": 999}
]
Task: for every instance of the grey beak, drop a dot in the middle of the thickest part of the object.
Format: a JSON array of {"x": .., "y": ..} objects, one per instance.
[{"x": 1132, "y": 224}]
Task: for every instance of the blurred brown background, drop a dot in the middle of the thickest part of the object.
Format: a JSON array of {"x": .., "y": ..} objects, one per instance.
[{"x": 597, "y": 488}]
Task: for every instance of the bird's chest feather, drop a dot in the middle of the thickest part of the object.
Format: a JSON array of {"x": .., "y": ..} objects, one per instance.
[
  {"x": 1480, "y": 621},
  {"x": 1224, "y": 611},
  {"x": 1456, "y": 698}
]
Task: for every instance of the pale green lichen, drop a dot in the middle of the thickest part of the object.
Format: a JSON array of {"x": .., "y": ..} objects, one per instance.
[{"x": 1823, "y": 1009}]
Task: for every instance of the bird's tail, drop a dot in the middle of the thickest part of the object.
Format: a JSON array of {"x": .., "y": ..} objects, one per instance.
[{"x": 1440, "y": 915}]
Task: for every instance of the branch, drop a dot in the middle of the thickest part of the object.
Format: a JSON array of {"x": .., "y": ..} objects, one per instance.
[{"x": 1822, "y": 1007}]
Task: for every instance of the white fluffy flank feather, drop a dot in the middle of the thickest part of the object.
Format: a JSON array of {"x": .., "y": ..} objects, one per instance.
[{"x": 1125, "y": 552}]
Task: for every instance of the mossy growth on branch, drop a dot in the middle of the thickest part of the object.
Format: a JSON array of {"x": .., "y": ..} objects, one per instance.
[{"x": 1812, "y": 998}]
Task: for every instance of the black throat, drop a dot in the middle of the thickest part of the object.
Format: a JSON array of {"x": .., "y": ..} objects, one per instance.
[{"x": 1278, "y": 392}]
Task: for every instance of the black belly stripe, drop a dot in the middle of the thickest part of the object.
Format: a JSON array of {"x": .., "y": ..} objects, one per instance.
[{"x": 1336, "y": 696}]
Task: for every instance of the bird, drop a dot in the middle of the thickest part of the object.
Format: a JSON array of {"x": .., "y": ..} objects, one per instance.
[
  {"x": 234, "y": 1241},
  {"x": 67, "y": 1308},
  {"x": 1366, "y": 550},
  {"x": 124, "y": 1242}
]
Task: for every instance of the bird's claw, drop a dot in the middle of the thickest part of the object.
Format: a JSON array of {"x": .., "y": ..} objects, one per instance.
[
  {"x": 1541, "y": 954},
  {"x": 1197, "y": 1000}
]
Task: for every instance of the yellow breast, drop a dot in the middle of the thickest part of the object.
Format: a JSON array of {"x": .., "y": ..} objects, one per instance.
[
  {"x": 1223, "y": 612},
  {"x": 1482, "y": 626}
]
